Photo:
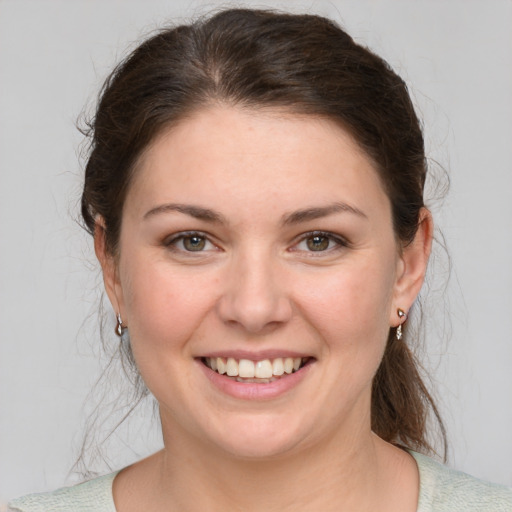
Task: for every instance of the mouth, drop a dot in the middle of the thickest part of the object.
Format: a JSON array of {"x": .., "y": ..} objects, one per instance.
[{"x": 263, "y": 371}]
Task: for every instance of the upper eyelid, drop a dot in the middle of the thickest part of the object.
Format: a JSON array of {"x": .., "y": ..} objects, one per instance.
[
  {"x": 342, "y": 241},
  {"x": 171, "y": 239},
  {"x": 184, "y": 234},
  {"x": 333, "y": 236}
]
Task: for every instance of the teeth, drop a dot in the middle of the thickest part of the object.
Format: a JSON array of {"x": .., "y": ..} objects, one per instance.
[
  {"x": 257, "y": 381},
  {"x": 255, "y": 371},
  {"x": 245, "y": 368},
  {"x": 232, "y": 367},
  {"x": 277, "y": 366},
  {"x": 288, "y": 365},
  {"x": 221, "y": 366},
  {"x": 263, "y": 369}
]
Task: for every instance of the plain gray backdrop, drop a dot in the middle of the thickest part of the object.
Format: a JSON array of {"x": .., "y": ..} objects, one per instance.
[{"x": 456, "y": 57}]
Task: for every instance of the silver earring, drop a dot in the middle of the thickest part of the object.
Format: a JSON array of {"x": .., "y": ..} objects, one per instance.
[
  {"x": 402, "y": 315},
  {"x": 119, "y": 326}
]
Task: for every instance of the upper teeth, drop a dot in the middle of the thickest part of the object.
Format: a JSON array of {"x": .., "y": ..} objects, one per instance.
[{"x": 264, "y": 369}]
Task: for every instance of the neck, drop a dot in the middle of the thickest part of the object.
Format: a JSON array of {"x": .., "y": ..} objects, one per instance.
[
  {"x": 283, "y": 483},
  {"x": 344, "y": 472}
]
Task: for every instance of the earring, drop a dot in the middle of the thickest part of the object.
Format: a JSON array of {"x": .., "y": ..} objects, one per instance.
[
  {"x": 119, "y": 326},
  {"x": 402, "y": 315}
]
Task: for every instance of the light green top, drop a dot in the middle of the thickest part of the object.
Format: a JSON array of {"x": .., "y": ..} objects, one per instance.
[
  {"x": 441, "y": 490},
  {"x": 91, "y": 496},
  {"x": 446, "y": 490}
]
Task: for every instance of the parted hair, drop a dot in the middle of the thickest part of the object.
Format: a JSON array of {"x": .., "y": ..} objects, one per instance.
[{"x": 255, "y": 59}]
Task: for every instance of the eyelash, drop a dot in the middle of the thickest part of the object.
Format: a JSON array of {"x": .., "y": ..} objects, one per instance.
[
  {"x": 172, "y": 242},
  {"x": 339, "y": 241}
]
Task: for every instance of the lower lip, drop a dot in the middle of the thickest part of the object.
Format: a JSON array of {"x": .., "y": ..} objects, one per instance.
[{"x": 254, "y": 390}]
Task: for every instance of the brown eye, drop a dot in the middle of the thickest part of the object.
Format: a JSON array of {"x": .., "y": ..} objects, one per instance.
[
  {"x": 194, "y": 243},
  {"x": 317, "y": 243}
]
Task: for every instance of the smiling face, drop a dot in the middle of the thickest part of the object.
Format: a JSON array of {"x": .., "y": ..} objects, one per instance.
[{"x": 251, "y": 243}]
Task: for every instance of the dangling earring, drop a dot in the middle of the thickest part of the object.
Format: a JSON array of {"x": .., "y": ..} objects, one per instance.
[
  {"x": 119, "y": 326},
  {"x": 402, "y": 315}
]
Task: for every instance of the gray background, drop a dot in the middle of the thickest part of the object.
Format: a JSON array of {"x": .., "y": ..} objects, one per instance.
[{"x": 457, "y": 58}]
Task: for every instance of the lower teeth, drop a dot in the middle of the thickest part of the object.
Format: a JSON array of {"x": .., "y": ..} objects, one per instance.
[{"x": 257, "y": 381}]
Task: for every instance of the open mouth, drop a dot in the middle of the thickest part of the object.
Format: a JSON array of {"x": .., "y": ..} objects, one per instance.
[{"x": 264, "y": 371}]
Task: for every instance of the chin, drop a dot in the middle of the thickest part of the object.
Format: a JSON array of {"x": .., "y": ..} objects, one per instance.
[
  {"x": 260, "y": 438},
  {"x": 259, "y": 449}
]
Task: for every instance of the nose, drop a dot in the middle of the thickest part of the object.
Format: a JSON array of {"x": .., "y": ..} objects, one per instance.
[{"x": 255, "y": 295}]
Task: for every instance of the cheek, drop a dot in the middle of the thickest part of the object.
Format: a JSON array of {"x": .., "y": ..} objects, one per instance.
[
  {"x": 350, "y": 307},
  {"x": 164, "y": 307}
]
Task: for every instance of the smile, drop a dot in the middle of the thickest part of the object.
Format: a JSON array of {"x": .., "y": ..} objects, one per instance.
[{"x": 264, "y": 371}]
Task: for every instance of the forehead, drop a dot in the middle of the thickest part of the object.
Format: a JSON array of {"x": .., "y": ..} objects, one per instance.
[{"x": 241, "y": 158}]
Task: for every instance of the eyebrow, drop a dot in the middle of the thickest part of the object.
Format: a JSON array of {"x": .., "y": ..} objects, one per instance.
[
  {"x": 318, "y": 212},
  {"x": 197, "y": 212},
  {"x": 296, "y": 217}
]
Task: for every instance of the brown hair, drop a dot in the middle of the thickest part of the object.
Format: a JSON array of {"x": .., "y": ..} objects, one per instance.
[{"x": 305, "y": 64}]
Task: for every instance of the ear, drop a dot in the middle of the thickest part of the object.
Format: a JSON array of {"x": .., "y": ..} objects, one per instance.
[
  {"x": 109, "y": 267},
  {"x": 412, "y": 267}
]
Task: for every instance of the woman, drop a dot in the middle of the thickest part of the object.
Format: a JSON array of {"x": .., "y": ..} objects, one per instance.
[{"x": 255, "y": 193}]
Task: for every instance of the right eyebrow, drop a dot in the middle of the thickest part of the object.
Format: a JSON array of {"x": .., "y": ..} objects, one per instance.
[{"x": 198, "y": 212}]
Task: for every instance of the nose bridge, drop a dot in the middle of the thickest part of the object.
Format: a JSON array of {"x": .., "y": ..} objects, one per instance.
[{"x": 255, "y": 296}]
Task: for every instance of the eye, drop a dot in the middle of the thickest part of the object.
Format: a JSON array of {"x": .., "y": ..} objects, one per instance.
[
  {"x": 319, "y": 242},
  {"x": 190, "y": 242},
  {"x": 194, "y": 243}
]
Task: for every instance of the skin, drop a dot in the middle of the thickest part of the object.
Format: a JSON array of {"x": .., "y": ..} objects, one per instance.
[{"x": 258, "y": 286}]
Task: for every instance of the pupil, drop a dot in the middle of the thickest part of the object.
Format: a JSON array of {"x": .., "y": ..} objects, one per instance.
[
  {"x": 194, "y": 243},
  {"x": 318, "y": 243}
]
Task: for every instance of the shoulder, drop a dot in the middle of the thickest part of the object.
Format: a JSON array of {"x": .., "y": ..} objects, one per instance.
[
  {"x": 94, "y": 495},
  {"x": 445, "y": 490}
]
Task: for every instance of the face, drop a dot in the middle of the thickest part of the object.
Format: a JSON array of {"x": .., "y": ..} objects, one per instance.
[{"x": 258, "y": 244}]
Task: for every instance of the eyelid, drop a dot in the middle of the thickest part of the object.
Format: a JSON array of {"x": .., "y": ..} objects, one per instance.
[
  {"x": 338, "y": 239},
  {"x": 170, "y": 241}
]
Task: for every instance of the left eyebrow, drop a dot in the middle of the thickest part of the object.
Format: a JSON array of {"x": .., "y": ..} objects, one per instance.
[{"x": 320, "y": 211}]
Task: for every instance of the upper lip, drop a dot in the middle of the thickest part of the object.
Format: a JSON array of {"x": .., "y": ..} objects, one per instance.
[{"x": 255, "y": 356}]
